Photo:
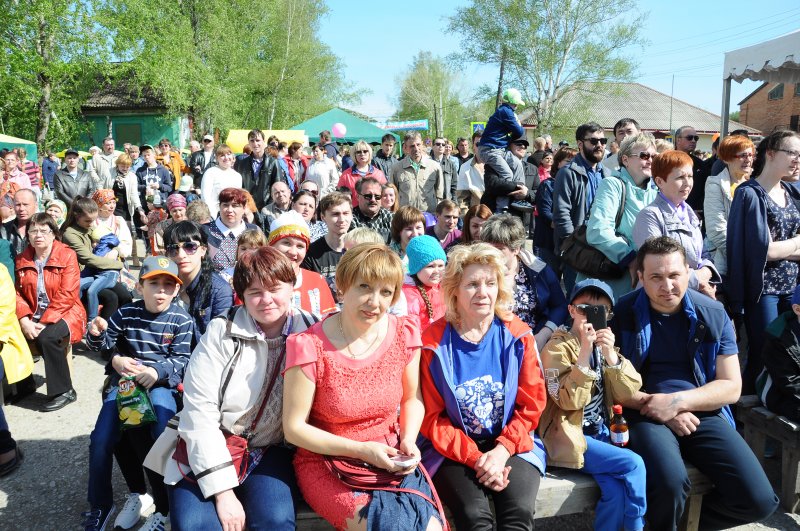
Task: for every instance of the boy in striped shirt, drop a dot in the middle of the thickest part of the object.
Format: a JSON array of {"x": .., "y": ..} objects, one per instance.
[{"x": 152, "y": 341}]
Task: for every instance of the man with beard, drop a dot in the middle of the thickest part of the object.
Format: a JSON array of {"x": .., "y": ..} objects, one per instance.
[{"x": 576, "y": 185}]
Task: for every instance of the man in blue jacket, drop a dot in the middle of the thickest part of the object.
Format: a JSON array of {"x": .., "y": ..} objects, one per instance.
[{"x": 684, "y": 346}]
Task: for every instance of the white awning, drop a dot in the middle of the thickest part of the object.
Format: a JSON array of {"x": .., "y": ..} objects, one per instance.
[{"x": 777, "y": 60}]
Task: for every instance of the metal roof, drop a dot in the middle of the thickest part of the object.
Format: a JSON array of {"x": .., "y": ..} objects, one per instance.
[
  {"x": 607, "y": 103},
  {"x": 118, "y": 95}
]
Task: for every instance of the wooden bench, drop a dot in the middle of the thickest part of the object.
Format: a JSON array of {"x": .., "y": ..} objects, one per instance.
[
  {"x": 759, "y": 423},
  {"x": 561, "y": 492}
]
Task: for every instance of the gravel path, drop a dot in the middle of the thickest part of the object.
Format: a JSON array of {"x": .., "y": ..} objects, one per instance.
[{"x": 49, "y": 491}]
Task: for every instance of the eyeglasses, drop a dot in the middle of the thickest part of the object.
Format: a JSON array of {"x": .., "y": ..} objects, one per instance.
[
  {"x": 371, "y": 197},
  {"x": 745, "y": 156},
  {"x": 189, "y": 247},
  {"x": 43, "y": 232},
  {"x": 582, "y": 308},
  {"x": 595, "y": 141},
  {"x": 207, "y": 140},
  {"x": 362, "y": 151},
  {"x": 794, "y": 155},
  {"x": 691, "y": 138},
  {"x": 644, "y": 155},
  {"x": 441, "y": 144}
]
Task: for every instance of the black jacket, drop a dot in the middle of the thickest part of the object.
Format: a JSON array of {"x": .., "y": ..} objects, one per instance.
[
  {"x": 782, "y": 361},
  {"x": 198, "y": 166},
  {"x": 66, "y": 188},
  {"x": 260, "y": 185}
]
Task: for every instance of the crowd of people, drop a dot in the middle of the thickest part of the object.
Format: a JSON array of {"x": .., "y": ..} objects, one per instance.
[{"x": 383, "y": 336}]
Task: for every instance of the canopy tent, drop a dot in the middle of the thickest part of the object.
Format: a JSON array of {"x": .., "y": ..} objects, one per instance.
[
  {"x": 10, "y": 142},
  {"x": 237, "y": 138},
  {"x": 356, "y": 128},
  {"x": 776, "y": 60}
]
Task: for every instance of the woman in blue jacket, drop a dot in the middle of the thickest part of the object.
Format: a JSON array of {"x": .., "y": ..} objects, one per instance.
[{"x": 763, "y": 243}]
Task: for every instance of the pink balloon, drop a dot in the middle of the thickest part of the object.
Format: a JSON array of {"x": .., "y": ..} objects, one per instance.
[{"x": 339, "y": 130}]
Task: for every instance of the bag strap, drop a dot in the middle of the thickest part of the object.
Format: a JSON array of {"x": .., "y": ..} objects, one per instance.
[
  {"x": 273, "y": 378},
  {"x": 618, "y": 219}
]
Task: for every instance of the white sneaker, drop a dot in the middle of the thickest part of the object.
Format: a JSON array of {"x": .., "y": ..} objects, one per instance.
[
  {"x": 134, "y": 509},
  {"x": 155, "y": 522}
]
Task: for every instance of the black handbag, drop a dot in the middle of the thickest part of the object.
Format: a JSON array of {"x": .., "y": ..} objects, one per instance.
[{"x": 580, "y": 255}]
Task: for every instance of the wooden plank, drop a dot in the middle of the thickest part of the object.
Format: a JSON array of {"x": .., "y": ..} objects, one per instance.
[
  {"x": 747, "y": 402},
  {"x": 690, "y": 521},
  {"x": 790, "y": 479}
]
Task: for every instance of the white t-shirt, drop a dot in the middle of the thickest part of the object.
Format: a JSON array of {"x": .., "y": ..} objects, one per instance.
[{"x": 215, "y": 179}]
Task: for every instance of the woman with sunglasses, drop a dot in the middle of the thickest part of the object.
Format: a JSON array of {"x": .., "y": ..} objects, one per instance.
[
  {"x": 226, "y": 229},
  {"x": 670, "y": 215},
  {"x": 205, "y": 294},
  {"x": 362, "y": 167},
  {"x": 763, "y": 244},
  {"x": 633, "y": 179}
]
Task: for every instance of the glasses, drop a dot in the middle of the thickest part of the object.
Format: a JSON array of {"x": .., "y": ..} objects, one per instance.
[
  {"x": 207, "y": 140},
  {"x": 644, "y": 155},
  {"x": 794, "y": 155},
  {"x": 189, "y": 248},
  {"x": 371, "y": 197},
  {"x": 441, "y": 144},
  {"x": 582, "y": 308},
  {"x": 691, "y": 138},
  {"x": 43, "y": 232},
  {"x": 362, "y": 151},
  {"x": 595, "y": 141},
  {"x": 745, "y": 156}
]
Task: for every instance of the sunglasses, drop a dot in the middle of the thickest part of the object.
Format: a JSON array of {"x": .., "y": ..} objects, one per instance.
[
  {"x": 362, "y": 151},
  {"x": 583, "y": 308},
  {"x": 371, "y": 197},
  {"x": 691, "y": 138},
  {"x": 595, "y": 141},
  {"x": 189, "y": 248},
  {"x": 439, "y": 144},
  {"x": 644, "y": 155}
]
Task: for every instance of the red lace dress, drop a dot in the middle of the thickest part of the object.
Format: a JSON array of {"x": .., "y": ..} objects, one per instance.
[{"x": 357, "y": 399}]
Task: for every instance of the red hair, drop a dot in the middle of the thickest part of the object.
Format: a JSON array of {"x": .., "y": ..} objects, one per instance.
[
  {"x": 664, "y": 163},
  {"x": 731, "y": 145},
  {"x": 233, "y": 195}
]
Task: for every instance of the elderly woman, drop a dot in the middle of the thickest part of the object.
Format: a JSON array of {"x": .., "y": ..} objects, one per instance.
[
  {"x": 362, "y": 167},
  {"x": 738, "y": 153},
  {"x": 407, "y": 223},
  {"x": 635, "y": 157},
  {"x": 304, "y": 202},
  {"x": 289, "y": 234},
  {"x": 218, "y": 178},
  {"x": 233, "y": 385},
  {"x": 538, "y": 299},
  {"x": 176, "y": 207},
  {"x": 670, "y": 215},
  {"x": 225, "y": 230},
  {"x": 57, "y": 210},
  {"x": 346, "y": 379},
  {"x": 49, "y": 305},
  {"x": 763, "y": 243},
  {"x": 484, "y": 393},
  {"x": 106, "y": 206},
  {"x": 204, "y": 293},
  {"x": 322, "y": 171}
]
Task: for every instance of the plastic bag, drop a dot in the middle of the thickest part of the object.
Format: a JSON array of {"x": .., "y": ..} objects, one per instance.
[{"x": 133, "y": 404}]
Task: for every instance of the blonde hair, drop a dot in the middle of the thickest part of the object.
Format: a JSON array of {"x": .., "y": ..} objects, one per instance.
[
  {"x": 362, "y": 145},
  {"x": 372, "y": 263},
  {"x": 361, "y": 235},
  {"x": 463, "y": 256}
]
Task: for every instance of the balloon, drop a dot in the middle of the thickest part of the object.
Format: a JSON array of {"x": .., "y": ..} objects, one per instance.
[{"x": 339, "y": 130}]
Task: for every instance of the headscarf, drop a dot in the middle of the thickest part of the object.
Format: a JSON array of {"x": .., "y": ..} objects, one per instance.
[
  {"x": 62, "y": 206},
  {"x": 103, "y": 196},
  {"x": 176, "y": 201}
]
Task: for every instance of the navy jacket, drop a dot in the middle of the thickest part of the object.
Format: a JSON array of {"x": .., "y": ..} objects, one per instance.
[
  {"x": 501, "y": 127},
  {"x": 747, "y": 242},
  {"x": 707, "y": 320},
  {"x": 164, "y": 183},
  {"x": 218, "y": 300}
]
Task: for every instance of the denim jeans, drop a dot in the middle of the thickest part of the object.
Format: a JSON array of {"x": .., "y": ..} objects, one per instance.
[
  {"x": 7, "y": 443},
  {"x": 92, "y": 285},
  {"x": 757, "y": 316},
  {"x": 107, "y": 433},
  {"x": 742, "y": 493},
  {"x": 267, "y": 496},
  {"x": 621, "y": 476}
]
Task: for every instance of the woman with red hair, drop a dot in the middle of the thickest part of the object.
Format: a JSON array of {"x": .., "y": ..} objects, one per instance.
[
  {"x": 224, "y": 231},
  {"x": 670, "y": 215}
]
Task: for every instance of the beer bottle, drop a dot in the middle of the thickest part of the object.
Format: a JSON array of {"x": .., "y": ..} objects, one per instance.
[{"x": 619, "y": 428}]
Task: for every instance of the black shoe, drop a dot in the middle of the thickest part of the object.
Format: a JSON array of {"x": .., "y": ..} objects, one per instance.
[
  {"x": 10, "y": 466},
  {"x": 59, "y": 401},
  {"x": 522, "y": 206}
]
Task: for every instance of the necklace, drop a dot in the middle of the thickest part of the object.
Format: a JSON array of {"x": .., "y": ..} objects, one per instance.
[
  {"x": 481, "y": 334},
  {"x": 347, "y": 340}
]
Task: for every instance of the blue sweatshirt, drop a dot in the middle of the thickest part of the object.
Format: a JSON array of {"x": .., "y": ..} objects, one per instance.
[
  {"x": 501, "y": 127},
  {"x": 162, "y": 341}
]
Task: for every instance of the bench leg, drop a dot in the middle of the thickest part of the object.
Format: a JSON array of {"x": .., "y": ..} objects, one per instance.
[
  {"x": 690, "y": 520},
  {"x": 790, "y": 479},
  {"x": 757, "y": 441}
]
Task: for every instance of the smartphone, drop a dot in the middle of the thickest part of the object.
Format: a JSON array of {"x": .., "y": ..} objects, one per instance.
[
  {"x": 405, "y": 461},
  {"x": 596, "y": 315}
]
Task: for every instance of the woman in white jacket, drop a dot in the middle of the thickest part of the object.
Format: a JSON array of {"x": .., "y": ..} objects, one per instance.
[
  {"x": 233, "y": 384},
  {"x": 322, "y": 171}
]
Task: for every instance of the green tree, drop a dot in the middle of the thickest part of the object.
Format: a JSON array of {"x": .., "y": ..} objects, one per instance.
[{"x": 734, "y": 116}]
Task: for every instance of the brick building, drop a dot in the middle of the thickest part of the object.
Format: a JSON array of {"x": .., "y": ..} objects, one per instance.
[{"x": 772, "y": 106}]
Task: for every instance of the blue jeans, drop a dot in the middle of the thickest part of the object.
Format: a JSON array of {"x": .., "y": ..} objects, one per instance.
[
  {"x": 757, "y": 316},
  {"x": 621, "y": 476},
  {"x": 267, "y": 496},
  {"x": 107, "y": 433},
  {"x": 7, "y": 443},
  {"x": 742, "y": 493},
  {"x": 92, "y": 285}
]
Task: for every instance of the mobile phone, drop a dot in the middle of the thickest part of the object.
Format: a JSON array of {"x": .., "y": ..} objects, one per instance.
[
  {"x": 405, "y": 461},
  {"x": 596, "y": 316}
]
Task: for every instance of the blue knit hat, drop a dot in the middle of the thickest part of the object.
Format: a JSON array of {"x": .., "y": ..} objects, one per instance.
[{"x": 421, "y": 251}]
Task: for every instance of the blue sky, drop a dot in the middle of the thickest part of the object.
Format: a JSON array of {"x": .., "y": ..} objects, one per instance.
[{"x": 377, "y": 42}]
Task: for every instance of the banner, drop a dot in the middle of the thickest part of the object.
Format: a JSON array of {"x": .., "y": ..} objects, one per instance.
[{"x": 410, "y": 125}]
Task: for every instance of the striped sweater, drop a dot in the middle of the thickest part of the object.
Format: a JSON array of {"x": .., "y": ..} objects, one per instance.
[{"x": 162, "y": 341}]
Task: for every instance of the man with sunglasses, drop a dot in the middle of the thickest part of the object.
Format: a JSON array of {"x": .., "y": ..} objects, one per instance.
[
  {"x": 576, "y": 185},
  {"x": 369, "y": 212},
  {"x": 686, "y": 140},
  {"x": 449, "y": 169},
  {"x": 684, "y": 346}
]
